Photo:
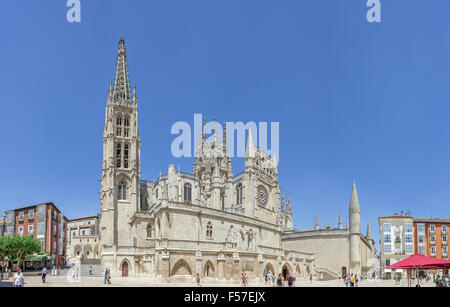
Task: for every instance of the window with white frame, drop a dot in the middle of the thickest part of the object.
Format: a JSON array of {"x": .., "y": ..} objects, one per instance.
[
  {"x": 387, "y": 227},
  {"x": 408, "y": 227},
  {"x": 409, "y": 238},
  {"x": 387, "y": 249},
  {"x": 54, "y": 230},
  {"x": 387, "y": 238},
  {"x": 21, "y": 216},
  {"x": 54, "y": 247},
  {"x": 432, "y": 239},
  {"x": 433, "y": 250},
  {"x": 20, "y": 231},
  {"x": 421, "y": 228},
  {"x": 30, "y": 214},
  {"x": 422, "y": 250},
  {"x": 432, "y": 228},
  {"x": 444, "y": 228},
  {"x": 444, "y": 239},
  {"x": 409, "y": 249},
  {"x": 421, "y": 239},
  {"x": 444, "y": 251},
  {"x": 30, "y": 230}
]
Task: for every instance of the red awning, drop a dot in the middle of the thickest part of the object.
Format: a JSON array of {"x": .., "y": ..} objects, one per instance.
[{"x": 418, "y": 261}]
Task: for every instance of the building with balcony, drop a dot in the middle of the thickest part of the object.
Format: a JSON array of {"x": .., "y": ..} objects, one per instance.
[{"x": 396, "y": 241}]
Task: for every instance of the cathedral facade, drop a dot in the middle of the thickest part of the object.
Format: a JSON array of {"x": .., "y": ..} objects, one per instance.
[{"x": 210, "y": 222}]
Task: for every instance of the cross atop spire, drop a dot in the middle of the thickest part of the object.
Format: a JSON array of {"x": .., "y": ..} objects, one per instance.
[{"x": 121, "y": 81}]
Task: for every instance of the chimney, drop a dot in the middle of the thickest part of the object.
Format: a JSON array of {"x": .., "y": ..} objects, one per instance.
[
  {"x": 401, "y": 213},
  {"x": 409, "y": 214}
]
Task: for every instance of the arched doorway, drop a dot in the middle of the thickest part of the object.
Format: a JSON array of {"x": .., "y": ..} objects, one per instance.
[
  {"x": 209, "y": 270},
  {"x": 269, "y": 269},
  {"x": 285, "y": 271},
  {"x": 125, "y": 269},
  {"x": 181, "y": 268},
  {"x": 344, "y": 272}
]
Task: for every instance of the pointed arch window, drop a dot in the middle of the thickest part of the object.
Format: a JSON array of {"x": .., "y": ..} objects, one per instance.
[
  {"x": 122, "y": 191},
  {"x": 119, "y": 126},
  {"x": 126, "y": 129},
  {"x": 125, "y": 156},
  {"x": 187, "y": 192},
  {"x": 239, "y": 194},
  {"x": 119, "y": 155},
  {"x": 209, "y": 230}
]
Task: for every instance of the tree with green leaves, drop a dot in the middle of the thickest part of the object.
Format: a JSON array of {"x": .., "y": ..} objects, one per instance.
[{"x": 17, "y": 248}]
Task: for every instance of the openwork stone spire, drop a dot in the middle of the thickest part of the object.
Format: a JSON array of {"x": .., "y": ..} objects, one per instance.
[{"x": 121, "y": 82}]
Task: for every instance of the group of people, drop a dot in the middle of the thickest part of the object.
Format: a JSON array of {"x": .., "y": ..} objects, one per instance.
[
  {"x": 351, "y": 281},
  {"x": 441, "y": 282},
  {"x": 281, "y": 281}
]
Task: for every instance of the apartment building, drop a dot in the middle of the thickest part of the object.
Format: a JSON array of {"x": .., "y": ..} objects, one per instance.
[
  {"x": 396, "y": 241},
  {"x": 44, "y": 222},
  {"x": 431, "y": 237}
]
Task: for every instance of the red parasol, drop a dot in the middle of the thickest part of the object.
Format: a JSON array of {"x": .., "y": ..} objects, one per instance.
[{"x": 418, "y": 261}]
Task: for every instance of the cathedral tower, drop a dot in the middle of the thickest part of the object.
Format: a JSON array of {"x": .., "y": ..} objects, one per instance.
[
  {"x": 354, "y": 233},
  {"x": 120, "y": 176}
]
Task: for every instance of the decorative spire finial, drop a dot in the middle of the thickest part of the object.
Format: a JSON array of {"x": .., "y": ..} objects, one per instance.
[{"x": 121, "y": 81}]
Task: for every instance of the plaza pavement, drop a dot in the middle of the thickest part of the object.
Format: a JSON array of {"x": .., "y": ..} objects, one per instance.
[{"x": 67, "y": 281}]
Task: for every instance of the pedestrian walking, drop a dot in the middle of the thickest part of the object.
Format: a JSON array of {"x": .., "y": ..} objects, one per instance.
[
  {"x": 90, "y": 270},
  {"x": 18, "y": 279},
  {"x": 243, "y": 280},
  {"x": 198, "y": 280},
  {"x": 44, "y": 274},
  {"x": 106, "y": 276},
  {"x": 109, "y": 277},
  {"x": 310, "y": 278},
  {"x": 274, "y": 277}
]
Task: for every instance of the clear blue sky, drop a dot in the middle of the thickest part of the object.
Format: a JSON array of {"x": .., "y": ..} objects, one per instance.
[{"x": 355, "y": 101}]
